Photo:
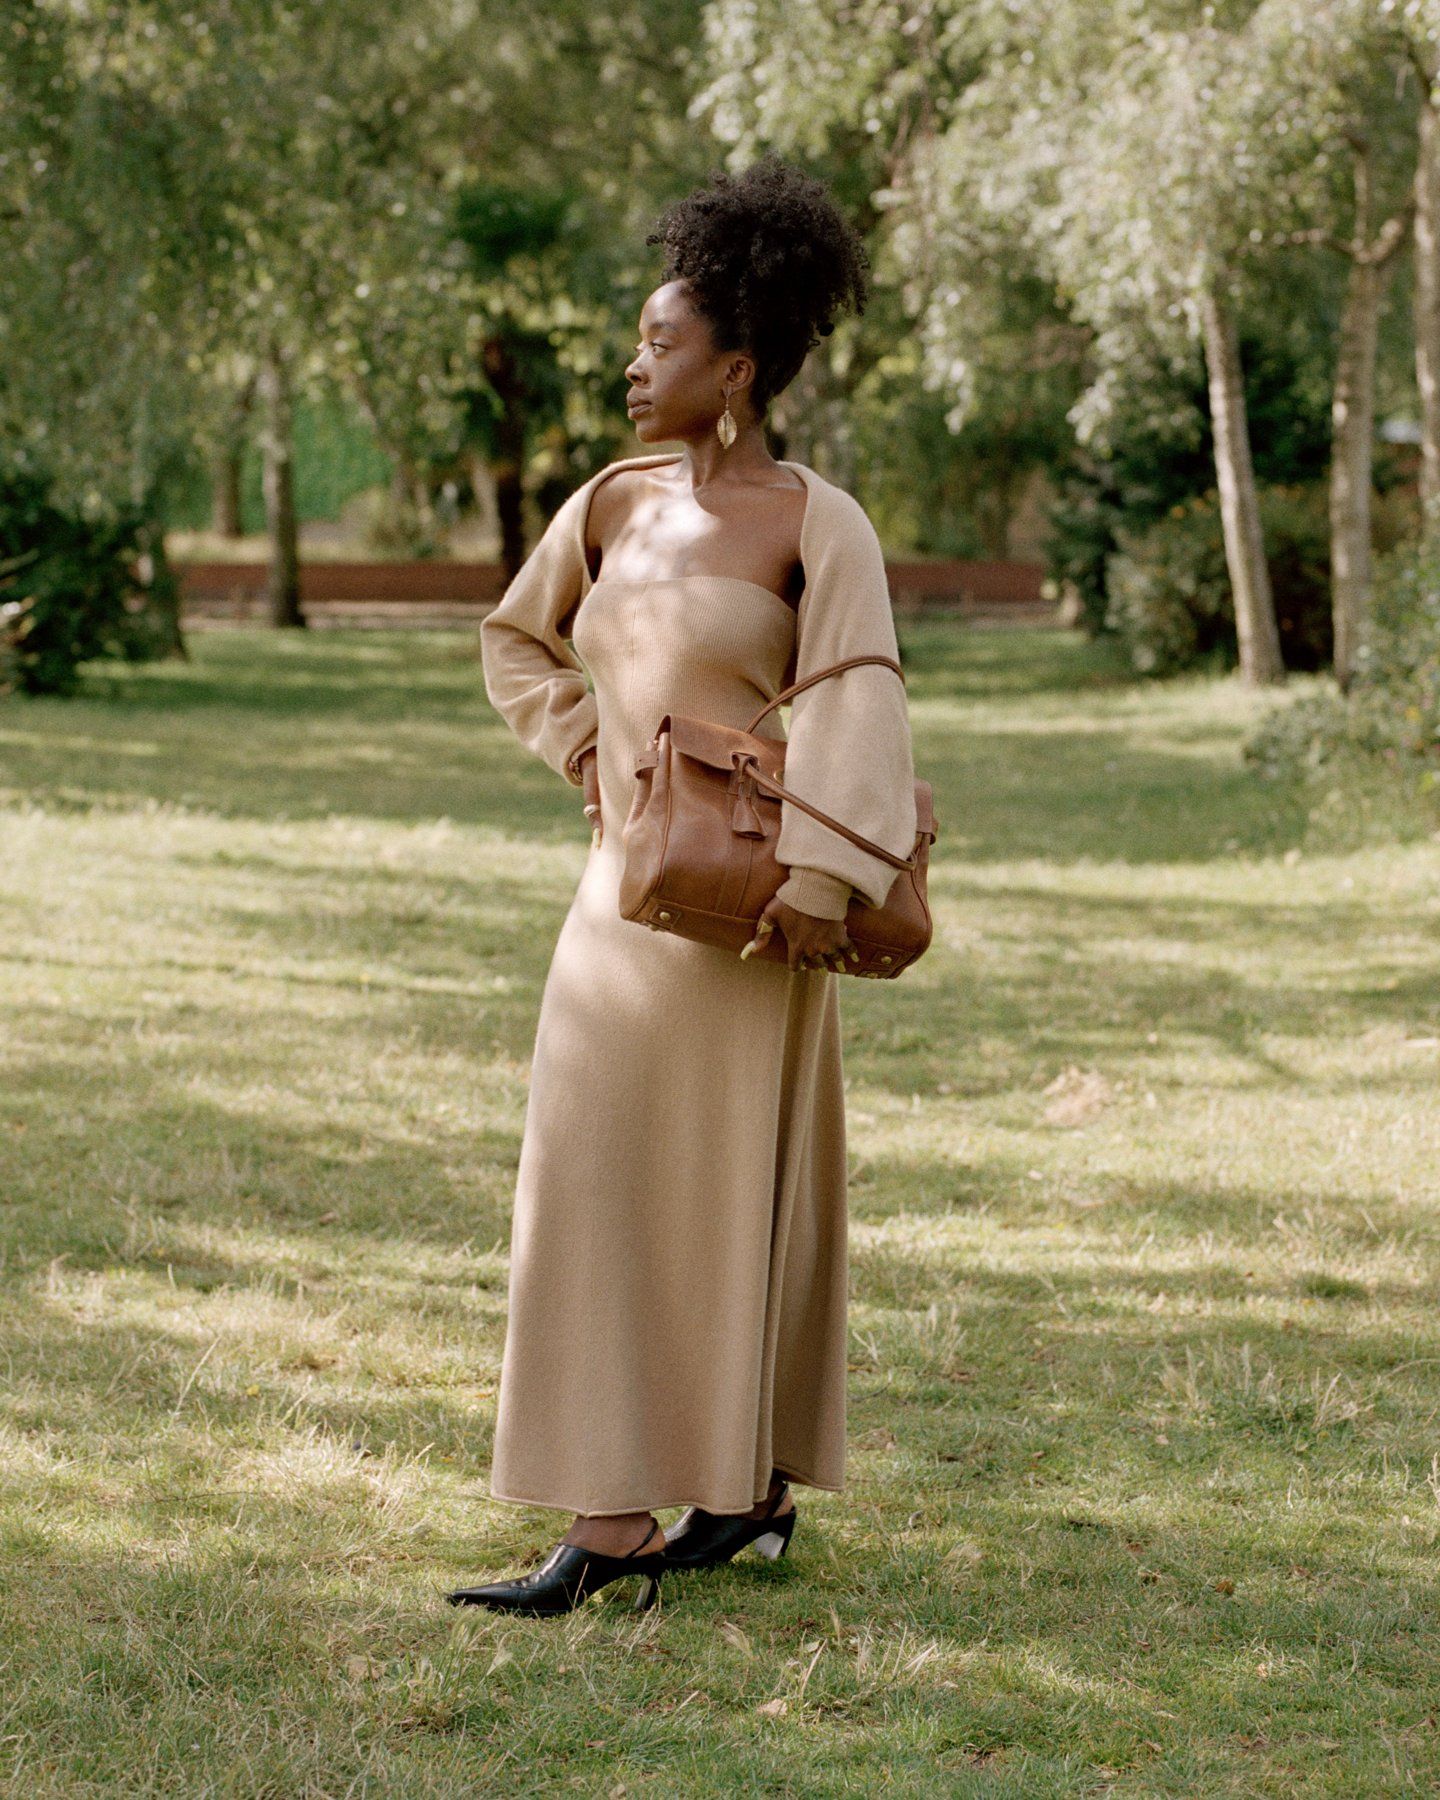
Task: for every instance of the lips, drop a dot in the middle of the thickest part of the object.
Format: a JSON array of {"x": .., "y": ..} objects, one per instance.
[{"x": 636, "y": 406}]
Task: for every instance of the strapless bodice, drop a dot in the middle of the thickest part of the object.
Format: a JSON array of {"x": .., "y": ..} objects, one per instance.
[{"x": 715, "y": 646}]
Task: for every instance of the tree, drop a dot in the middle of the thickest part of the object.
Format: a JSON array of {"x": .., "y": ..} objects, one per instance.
[
  {"x": 1332, "y": 81},
  {"x": 100, "y": 294},
  {"x": 1119, "y": 151}
]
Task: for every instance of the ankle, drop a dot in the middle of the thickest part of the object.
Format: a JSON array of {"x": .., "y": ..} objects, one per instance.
[
  {"x": 773, "y": 1506},
  {"x": 619, "y": 1534}
]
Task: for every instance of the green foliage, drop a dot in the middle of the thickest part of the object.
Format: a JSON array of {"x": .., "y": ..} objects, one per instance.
[
  {"x": 1169, "y": 592},
  {"x": 1169, "y": 589},
  {"x": 336, "y": 458},
  {"x": 68, "y": 590},
  {"x": 1389, "y": 720},
  {"x": 1100, "y": 499},
  {"x": 499, "y": 222},
  {"x": 1162, "y": 455}
]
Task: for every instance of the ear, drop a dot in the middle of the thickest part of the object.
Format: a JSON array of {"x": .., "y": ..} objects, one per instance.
[{"x": 739, "y": 371}]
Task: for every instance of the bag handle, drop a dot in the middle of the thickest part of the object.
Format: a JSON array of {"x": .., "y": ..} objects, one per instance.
[
  {"x": 770, "y": 786},
  {"x": 820, "y": 675},
  {"x": 762, "y": 780}
]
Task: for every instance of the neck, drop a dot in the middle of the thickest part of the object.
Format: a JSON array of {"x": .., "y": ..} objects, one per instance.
[{"x": 704, "y": 460}]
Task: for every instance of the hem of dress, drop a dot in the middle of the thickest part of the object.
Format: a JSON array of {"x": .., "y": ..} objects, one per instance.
[{"x": 615, "y": 1512}]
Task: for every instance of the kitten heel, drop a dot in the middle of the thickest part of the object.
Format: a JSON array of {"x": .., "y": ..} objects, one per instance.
[
  {"x": 701, "y": 1540},
  {"x": 775, "y": 1543}
]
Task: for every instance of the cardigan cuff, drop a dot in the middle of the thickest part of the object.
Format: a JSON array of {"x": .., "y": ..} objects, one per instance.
[
  {"x": 813, "y": 891},
  {"x": 572, "y": 762}
]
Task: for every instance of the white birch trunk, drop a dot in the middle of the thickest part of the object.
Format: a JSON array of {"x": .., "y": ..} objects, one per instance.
[
  {"x": 1427, "y": 297},
  {"x": 1255, "y": 627}
]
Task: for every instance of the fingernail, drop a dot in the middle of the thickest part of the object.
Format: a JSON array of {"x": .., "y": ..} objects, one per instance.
[{"x": 746, "y": 951}]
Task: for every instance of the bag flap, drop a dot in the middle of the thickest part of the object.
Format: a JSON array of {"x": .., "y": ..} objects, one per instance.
[{"x": 717, "y": 745}]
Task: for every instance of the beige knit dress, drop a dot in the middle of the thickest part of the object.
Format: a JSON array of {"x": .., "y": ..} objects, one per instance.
[{"x": 677, "y": 1305}]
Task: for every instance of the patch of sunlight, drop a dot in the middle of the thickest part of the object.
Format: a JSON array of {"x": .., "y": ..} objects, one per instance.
[
  {"x": 396, "y": 1266},
  {"x": 26, "y": 1453},
  {"x": 1046, "y": 1672},
  {"x": 104, "y": 746},
  {"x": 312, "y": 1460}
]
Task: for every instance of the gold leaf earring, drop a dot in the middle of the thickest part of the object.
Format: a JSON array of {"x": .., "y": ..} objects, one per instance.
[{"x": 725, "y": 425}]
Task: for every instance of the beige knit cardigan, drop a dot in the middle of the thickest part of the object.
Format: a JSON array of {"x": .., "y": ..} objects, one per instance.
[{"x": 848, "y": 745}]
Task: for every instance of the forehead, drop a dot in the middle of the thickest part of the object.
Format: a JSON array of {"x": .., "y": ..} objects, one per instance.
[{"x": 667, "y": 308}]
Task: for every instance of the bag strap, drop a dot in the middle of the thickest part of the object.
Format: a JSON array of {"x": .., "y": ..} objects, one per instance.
[
  {"x": 820, "y": 675},
  {"x": 770, "y": 786}
]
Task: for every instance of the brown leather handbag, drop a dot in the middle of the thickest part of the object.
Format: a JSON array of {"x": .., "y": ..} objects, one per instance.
[{"x": 701, "y": 833}]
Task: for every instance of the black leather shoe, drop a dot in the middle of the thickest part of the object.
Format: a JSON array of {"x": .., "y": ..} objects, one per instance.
[
  {"x": 702, "y": 1540},
  {"x": 569, "y": 1575}
]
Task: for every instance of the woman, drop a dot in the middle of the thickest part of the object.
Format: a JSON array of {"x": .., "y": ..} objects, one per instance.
[{"x": 677, "y": 1331}]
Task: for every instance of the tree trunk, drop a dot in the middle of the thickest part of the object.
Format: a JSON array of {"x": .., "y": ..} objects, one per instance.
[
  {"x": 1427, "y": 298},
  {"x": 225, "y": 468},
  {"x": 507, "y": 464},
  {"x": 1352, "y": 413},
  {"x": 225, "y": 492},
  {"x": 510, "y": 511},
  {"x": 150, "y": 466},
  {"x": 278, "y": 452},
  {"x": 482, "y": 486},
  {"x": 1352, "y": 418},
  {"x": 995, "y": 507},
  {"x": 162, "y": 588},
  {"x": 1260, "y": 661}
]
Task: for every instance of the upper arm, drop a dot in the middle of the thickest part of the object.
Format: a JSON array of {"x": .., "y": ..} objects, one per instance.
[{"x": 611, "y": 500}]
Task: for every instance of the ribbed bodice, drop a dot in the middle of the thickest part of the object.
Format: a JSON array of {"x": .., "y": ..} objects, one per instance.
[{"x": 714, "y": 646}]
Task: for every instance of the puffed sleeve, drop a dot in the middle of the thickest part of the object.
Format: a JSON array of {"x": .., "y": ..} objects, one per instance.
[
  {"x": 848, "y": 745},
  {"x": 533, "y": 677}
]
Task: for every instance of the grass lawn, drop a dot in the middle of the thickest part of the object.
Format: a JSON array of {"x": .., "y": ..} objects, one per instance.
[{"x": 1145, "y": 1492}]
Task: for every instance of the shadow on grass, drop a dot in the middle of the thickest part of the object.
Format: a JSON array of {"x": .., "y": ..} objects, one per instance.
[{"x": 397, "y": 726}]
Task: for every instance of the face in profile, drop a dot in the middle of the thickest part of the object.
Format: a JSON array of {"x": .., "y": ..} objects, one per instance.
[{"x": 677, "y": 376}]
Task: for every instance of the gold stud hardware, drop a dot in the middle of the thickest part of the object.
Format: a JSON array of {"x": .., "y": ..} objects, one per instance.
[
  {"x": 887, "y": 959},
  {"x": 665, "y": 916}
]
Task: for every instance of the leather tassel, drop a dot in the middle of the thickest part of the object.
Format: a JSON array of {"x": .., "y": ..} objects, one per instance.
[{"x": 744, "y": 820}]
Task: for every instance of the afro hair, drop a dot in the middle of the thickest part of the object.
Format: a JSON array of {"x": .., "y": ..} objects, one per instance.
[{"x": 768, "y": 259}]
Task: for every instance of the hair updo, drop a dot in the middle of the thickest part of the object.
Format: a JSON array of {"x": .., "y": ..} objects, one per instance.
[{"x": 768, "y": 259}]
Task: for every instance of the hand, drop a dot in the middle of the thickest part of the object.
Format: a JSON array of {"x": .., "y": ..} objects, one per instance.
[
  {"x": 811, "y": 943},
  {"x": 590, "y": 773}
]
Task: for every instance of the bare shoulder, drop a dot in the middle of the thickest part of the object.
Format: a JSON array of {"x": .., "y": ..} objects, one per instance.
[{"x": 614, "y": 500}]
